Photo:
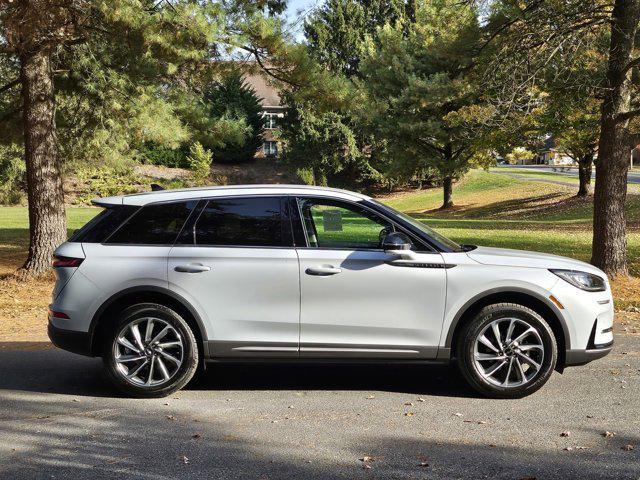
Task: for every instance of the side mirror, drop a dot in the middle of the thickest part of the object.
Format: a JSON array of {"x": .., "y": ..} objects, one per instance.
[{"x": 395, "y": 242}]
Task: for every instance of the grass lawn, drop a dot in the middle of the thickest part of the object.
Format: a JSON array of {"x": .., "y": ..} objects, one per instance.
[{"x": 490, "y": 209}]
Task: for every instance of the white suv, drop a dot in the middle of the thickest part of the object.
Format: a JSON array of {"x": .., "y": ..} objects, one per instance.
[{"x": 160, "y": 283}]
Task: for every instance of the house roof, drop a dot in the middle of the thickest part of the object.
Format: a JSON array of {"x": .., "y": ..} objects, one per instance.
[{"x": 269, "y": 96}]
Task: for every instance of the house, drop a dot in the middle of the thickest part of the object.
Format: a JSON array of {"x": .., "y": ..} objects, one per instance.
[
  {"x": 272, "y": 110},
  {"x": 549, "y": 154}
]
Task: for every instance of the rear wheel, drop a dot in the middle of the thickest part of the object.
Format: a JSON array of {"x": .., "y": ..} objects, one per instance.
[
  {"x": 507, "y": 351},
  {"x": 151, "y": 353}
]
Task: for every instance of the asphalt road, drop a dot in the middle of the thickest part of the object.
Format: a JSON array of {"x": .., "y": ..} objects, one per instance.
[
  {"x": 632, "y": 176},
  {"x": 59, "y": 419}
]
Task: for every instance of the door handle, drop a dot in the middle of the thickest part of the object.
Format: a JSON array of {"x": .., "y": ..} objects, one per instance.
[
  {"x": 323, "y": 271},
  {"x": 192, "y": 268}
]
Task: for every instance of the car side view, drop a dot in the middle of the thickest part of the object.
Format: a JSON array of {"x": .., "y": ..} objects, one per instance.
[{"x": 161, "y": 283}]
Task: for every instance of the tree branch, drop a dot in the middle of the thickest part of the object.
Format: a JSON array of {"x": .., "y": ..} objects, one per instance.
[{"x": 10, "y": 85}]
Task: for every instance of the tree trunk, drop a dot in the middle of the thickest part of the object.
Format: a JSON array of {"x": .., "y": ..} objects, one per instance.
[
  {"x": 47, "y": 222},
  {"x": 609, "y": 222},
  {"x": 447, "y": 190},
  {"x": 585, "y": 167},
  {"x": 447, "y": 180}
]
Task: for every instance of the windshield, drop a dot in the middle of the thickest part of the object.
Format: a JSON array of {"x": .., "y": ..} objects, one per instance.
[{"x": 430, "y": 232}]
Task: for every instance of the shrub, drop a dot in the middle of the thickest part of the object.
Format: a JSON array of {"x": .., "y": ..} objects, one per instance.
[
  {"x": 12, "y": 170},
  {"x": 200, "y": 163},
  {"x": 154, "y": 154},
  {"x": 105, "y": 182}
]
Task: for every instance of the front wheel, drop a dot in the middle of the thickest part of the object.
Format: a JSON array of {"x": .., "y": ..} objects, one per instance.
[
  {"x": 507, "y": 351},
  {"x": 151, "y": 353}
]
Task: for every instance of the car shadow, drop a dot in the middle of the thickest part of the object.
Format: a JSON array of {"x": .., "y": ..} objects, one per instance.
[{"x": 40, "y": 368}]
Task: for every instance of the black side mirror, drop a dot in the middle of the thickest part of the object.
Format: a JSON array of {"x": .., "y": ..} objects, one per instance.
[{"x": 396, "y": 241}]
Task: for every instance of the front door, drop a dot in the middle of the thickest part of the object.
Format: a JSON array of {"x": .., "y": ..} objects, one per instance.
[
  {"x": 236, "y": 261},
  {"x": 358, "y": 301}
]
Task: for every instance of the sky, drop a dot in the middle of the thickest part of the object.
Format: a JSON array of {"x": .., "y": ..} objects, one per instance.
[{"x": 296, "y": 10}]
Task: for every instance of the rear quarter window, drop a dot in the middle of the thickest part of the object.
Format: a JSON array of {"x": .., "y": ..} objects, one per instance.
[
  {"x": 103, "y": 224},
  {"x": 156, "y": 224}
]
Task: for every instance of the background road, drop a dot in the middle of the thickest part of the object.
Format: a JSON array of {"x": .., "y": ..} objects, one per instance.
[
  {"x": 632, "y": 176},
  {"x": 58, "y": 419}
]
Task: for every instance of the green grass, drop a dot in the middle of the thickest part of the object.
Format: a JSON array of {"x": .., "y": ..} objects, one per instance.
[{"x": 14, "y": 222}]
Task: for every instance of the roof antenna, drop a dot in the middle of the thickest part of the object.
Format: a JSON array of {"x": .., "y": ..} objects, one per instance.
[{"x": 156, "y": 188}]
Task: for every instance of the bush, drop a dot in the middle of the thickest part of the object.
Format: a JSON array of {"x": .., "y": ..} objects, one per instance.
[
  {"x": 200, "y": 163},
  {"x": 105, "y": 182},
  {"x": 12, "y": 170},
  {"x": 153, "y": 154}
]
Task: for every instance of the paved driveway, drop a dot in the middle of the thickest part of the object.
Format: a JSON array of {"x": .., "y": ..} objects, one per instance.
[{"x": 58, "y": 419}]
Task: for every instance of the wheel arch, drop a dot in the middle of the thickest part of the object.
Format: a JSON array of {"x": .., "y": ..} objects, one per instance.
[
  {"x": 105, "y": 314},
  {"x": 543, "y": 306}
]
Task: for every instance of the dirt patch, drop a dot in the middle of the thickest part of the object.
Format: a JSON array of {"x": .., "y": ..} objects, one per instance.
[{"x": 23, "y": 309}]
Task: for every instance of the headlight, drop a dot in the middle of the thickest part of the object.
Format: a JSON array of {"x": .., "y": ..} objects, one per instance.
[{"x": 582, "y": 280}]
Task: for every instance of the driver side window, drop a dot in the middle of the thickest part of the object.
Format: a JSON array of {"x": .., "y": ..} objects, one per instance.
[{"x": 333, "y": 224}]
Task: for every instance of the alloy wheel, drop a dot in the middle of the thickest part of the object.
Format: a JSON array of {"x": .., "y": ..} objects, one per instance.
[
  {"x": 508, "y": 352},
  {"x": 148, "y": 352}
]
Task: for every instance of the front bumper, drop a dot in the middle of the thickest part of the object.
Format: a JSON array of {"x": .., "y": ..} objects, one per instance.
[
  {"x": 72, "y": 341},
  {"x": 581, "y": 357}
]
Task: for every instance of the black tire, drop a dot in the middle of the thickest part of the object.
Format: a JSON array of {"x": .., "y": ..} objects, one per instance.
[
  {"x": 465, "y": 351},
  {"x": 182, "y": 373}
]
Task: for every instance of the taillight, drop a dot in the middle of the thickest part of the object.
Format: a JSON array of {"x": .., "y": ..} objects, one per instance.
[
  {"x": 53, "y": 313},
  {"x": 59, "y": 261}
]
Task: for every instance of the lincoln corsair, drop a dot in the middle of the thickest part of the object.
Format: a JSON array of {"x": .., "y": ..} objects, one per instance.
[{"x": 159, "y": 284}]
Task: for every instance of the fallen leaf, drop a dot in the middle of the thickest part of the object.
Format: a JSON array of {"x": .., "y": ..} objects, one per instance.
[
  {"x": 608, "y": 434},
  {"x": 566, "y": 433},
  {"x": 628, "y": 448},
  {"x": 371, "y": 397},
  {"x": 408, "y": 414},
  {"x": 409, "y": 404}
]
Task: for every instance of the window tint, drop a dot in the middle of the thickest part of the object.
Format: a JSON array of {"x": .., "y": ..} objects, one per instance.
[
  {"x": 247, "y": 222},
  {"x": 154, "y": 224},
  {"x": 332, "y": 224},
  {"x": 103, "y": 224}
]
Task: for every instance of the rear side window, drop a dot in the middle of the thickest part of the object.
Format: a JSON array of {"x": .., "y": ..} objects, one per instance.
[
  {"x": 157, "y": 224},
  {"x": 243, "y": 222},
  {"x": 103, "y": 224}
]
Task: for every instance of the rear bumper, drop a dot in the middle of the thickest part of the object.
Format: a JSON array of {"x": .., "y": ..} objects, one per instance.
[
  {"x": 72, "y": 341},
  {"x": 581, "y": 357}
]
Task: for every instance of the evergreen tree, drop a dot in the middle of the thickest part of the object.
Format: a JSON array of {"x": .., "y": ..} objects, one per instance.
[
  {"x": 418, "y": 84},
  {"x": 233, "y": 100}
]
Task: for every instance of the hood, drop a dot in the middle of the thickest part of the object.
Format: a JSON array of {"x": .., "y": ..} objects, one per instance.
[{"x": 521, "y": 258}]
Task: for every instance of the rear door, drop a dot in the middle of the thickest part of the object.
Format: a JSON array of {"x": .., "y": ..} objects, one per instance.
[
  {"x": 236, "y": 261},
  {"x": 357, "y": 300}
]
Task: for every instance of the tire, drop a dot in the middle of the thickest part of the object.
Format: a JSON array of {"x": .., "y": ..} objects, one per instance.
[
  {"x": 514, "y": 377},
  {"x": 167, "y": 360}
]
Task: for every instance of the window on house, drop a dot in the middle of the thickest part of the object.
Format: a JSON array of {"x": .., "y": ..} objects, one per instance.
[
  {"x": 271, "y": 120},
  {"x": 270, "y": 149}
]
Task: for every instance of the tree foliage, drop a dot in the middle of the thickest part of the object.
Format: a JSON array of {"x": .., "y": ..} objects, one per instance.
[{"x": 231, "y": 101}]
